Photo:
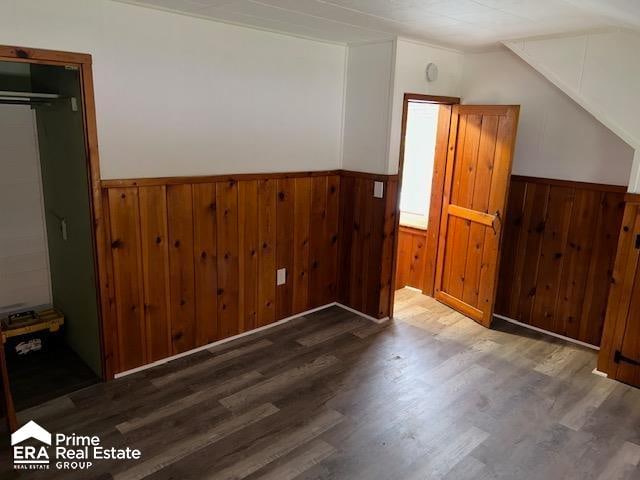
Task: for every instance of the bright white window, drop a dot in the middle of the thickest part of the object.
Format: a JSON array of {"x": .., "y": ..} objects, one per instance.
[{"x": 419, "y": 150}]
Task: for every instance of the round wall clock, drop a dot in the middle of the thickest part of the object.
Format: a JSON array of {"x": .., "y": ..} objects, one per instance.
[{"x": 432, "y": 72}]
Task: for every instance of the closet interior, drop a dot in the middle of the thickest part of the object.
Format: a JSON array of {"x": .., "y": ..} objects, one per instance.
[{"x": 48, "y": 301}]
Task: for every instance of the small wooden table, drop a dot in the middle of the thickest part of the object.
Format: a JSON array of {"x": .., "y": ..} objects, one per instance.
[{"x": 48, "y": 319}]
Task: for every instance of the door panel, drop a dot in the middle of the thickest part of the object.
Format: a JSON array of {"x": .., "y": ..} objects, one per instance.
[
  {"x": 629, "y": 358},
  {"x": 479, "y": 162},
  {"x": 620, "y": 352}
]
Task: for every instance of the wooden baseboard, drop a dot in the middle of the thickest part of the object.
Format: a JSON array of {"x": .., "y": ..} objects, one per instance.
[
  {"x": 546, "y": 332},
  {"x": 221, "y": 342}
]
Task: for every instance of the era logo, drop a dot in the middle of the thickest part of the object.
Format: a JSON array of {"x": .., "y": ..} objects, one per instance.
[{"x": 28, "y": 456}]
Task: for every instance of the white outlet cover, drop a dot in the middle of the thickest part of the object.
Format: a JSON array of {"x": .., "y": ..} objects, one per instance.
[
  {"x": 281, "y": 276},
  {"x": 378, "y": 189}
]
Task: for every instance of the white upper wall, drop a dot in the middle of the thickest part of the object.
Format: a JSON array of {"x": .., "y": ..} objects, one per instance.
[
  {"x": 556, "y": 137},
  {"x": 378, "y": 76},
  {"x": 410, "y": 77},
  {"x": 367, "y": 105},
  {"x": 600, "y": 71},
  {"x": 177, "y": 95}
]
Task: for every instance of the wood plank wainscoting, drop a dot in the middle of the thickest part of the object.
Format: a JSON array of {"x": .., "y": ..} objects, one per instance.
[
  {"x": 411, "y": 260},
  {"x": 193, "y": 260},
  {"x": 558, "y": 255},
  {"x": 620, "y": 353},
  {"x": 367, "y": 241}
]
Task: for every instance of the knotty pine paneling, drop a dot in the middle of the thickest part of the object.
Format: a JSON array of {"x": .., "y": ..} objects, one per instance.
[
  {"x": 301, "y": 229},
  {"x": 411, "y": 259},
  {"x": 155, "y": 269},
  {"x": 181, "y": 267},
  {"x": 367, "y": 235},
  {"x": 196, "y": 262},
  {"x": 267, "y": 212},
  {"x": 228, "y": 258},
  {"x": 558, "y": 254},
  {"x": 205, "y": 251},
  {"x": 284, "y": 244},
  {"x": 323, "y": 240},
  {"x": 248, "y": 254},
  {"x": 127, "y": 277}
]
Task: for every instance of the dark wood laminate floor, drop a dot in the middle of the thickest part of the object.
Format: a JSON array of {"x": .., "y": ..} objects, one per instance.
[{"x": 431, "y": 395}]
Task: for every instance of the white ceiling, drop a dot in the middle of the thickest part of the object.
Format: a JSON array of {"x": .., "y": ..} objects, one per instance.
[{"x": 464, "y": 24}]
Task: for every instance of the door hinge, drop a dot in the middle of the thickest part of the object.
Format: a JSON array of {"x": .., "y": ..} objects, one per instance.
[{"x": 618, "y": 357}]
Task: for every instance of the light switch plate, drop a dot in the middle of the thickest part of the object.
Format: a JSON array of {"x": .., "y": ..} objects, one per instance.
[
  {"x": 281, "y": 276},
  {"x": 378, "y": 189}
]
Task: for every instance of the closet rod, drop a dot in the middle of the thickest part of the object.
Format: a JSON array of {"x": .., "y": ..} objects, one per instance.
[
  {"x": 28, "y": 95},
  {"x": 25, "y": 101}
]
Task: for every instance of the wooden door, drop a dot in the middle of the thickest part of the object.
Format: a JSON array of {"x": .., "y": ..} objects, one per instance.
[
  {"x": 620, "y": 353},
  {"x": 481, "y": 142}
]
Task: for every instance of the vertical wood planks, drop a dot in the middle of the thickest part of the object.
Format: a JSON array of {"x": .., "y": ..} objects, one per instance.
[
  {"x": 155, "y": 267},
  {"x": 359, "y": 244},
  {"x": 410, "y": 264},
  {"x": 196, "y": 262},
  {"x": 510, "y": 259},
  {"x": 284, "y": 245},
  {"x": 367, "y": 235},
  {"x": 267, "y": 252},
  {"x": 107, "y": 296},
  {"x": 474, "y": 200},
  {"x": 248, "y": 254},
  {"x": 205, "y": 263},
  {"x": 558, "y": 255},
  {"x": 318, "y": 243},
  {"x": 388, "y": 239},
  {"x": 329, "y": 265},
  {"x": 630, "y": 345},
  {"x": 437, "y": 191},
  {"x": 228, "y": 263},
  {"x": 484, "y": 168},
  {"x": 601, "y": 265},
  {"x": 182, "y": 282},
  {"x": 127, "y": 275},
  {"x": 301, "y": 227},
  {"x": 576, "y": 262},
  {"x": 551, "y": 262},
  {"x": 346, "y": 242},
  {"x": 536, "y": 203}
]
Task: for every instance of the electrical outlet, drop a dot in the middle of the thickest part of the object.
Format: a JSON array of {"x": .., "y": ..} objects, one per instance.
[
  {"x": 378, "y": 189},
  {"x": 281, "y": 276}
]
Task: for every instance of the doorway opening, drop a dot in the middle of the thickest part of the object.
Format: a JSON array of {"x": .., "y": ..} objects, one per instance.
[
  {"x": 49, "y": 304},
  {"x": 423, "y": 152},
  {"x": 449, "y": 236}
]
